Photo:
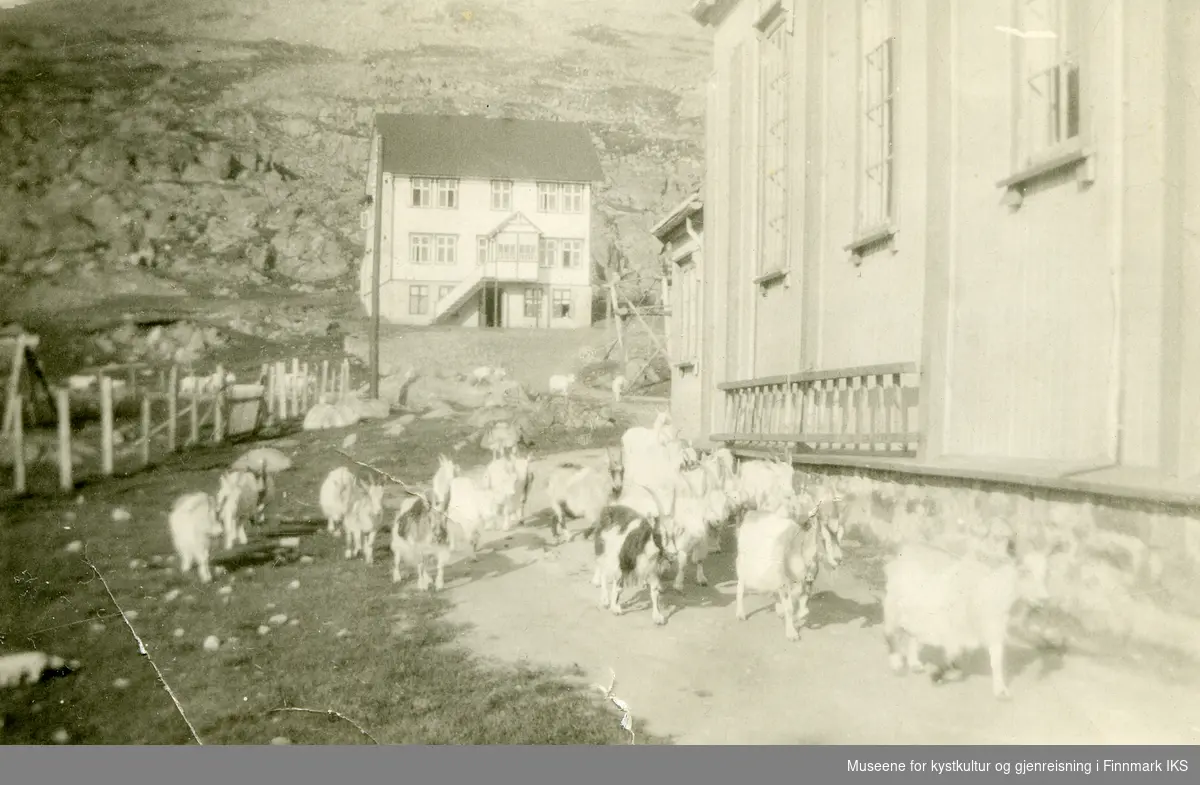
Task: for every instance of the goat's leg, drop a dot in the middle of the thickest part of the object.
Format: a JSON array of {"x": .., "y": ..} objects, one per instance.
[
  {"x": 241, "y": 531},
  {"x": 740, "y": 604},
  {"x": 655, "y": 592},
  {"x": 801, "y": 603},
  {"x": 349, "y": 550},
  {"x": 439, "y": 582},
  {"x": 230, "y": 534},
  {"x": 600, "y": 579},
  {"x": 557, "y": 520},
  {"x": 185, "y": 562},
  {"x": 996, "y": 660},
  {"x": 681, "y": 569},
  {"x": 422, "y": 575},
  {"x": 202, "y": 569},
  {"x": 789, "y": 614},
  {"x": 913, "y": 656},
  {"x": 397, "y": 576},
  {"x": 701, "y": 578},
  {"x": 614, "y": 596},
  {"x": 369, "y": 548}
]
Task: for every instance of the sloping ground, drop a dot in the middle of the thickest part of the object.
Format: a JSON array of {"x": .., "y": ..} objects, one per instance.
[
  {"x": 172, "y": 147},
  {"x": 707, "y": 678}
]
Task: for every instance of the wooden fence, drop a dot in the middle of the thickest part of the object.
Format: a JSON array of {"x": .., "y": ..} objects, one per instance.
[
  {"x": 869, "y": 409},
  {"x": 177, "y": 411}
]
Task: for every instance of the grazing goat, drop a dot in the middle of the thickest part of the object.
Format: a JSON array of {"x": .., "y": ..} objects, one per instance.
[
  {"x": 775, "y": 551},
  {"x": 193, "y": 522},
  {"x": 504, "y": 478},
  {"x": 583, "y": 492},
  {"x": 241, "y": 496},
  {"x": 957, "y": 603},
  {"x": 618, "y": 388},
  {"x": 501, "y": 438},
  {"x": 561, "y": 384},
  {"x": 472, "y": 506},
  {"x": 419, "y": 531},
  {"x": 362, "y": 521},
  {"x": 629, "y": 552},
  {"x": 481, "y": 374},
  {"x": 447, "y": 470}
]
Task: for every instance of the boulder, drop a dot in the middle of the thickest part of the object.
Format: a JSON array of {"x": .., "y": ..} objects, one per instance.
[{"x": 253, "y": 459}]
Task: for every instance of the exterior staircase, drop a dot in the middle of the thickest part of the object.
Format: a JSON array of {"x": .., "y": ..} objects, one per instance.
[{"x": 459, "y": 295}]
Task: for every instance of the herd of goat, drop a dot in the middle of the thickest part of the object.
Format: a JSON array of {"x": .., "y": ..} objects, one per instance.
[{"x": 657, "y": 502}]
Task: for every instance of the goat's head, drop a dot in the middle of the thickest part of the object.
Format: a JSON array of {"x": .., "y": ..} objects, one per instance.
[
  {"x": 375, "y": 498},
  {"x": 1033, "y": 569}
]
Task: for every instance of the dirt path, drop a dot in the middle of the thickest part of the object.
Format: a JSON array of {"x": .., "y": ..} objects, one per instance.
[{"x": 706, "y": 678}]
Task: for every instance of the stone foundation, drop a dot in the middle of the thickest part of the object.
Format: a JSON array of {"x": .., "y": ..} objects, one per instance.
[{"x": 1132, "y": 569}]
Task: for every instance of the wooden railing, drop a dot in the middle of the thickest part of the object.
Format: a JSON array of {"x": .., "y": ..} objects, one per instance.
[{"x": 869, "y": 409}]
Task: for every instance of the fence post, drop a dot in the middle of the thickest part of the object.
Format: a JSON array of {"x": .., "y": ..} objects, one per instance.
[
  {"x": 324, "y": 381},
  {"x": 106, "y": 425},
  {"x": 218, "y": 406},
  {"x": 304, "y": 388},
  {"x": 281, "y": 390},
  {"x": 293, "y": 386},
  {"x": 62, "y": 401},
  {"x": 194, "y": 416},
  {"x": 345, "y": 377},
  {"x": 145, "y": 429},
  {"x": 16, "y": 405},
  {"x": 173, "y": 409},
  {"x": 269, "y": 391}
]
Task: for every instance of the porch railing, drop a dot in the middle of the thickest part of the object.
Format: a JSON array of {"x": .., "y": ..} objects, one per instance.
[{"x": 870, "y": 409}]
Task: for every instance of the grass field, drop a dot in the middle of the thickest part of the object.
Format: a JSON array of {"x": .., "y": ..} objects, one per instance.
[{"x": 379, "y": 655}]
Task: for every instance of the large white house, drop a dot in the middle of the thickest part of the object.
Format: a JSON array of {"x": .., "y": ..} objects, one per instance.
[{"x": 486, "y": 222}]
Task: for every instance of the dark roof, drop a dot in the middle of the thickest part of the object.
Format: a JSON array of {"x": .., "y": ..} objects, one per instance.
[{"x": 469, "y": 146}]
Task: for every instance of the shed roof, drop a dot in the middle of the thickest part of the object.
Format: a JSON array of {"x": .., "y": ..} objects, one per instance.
[
  {"x": 692, "y": 205},
  {"x": 487, "y": 147}
]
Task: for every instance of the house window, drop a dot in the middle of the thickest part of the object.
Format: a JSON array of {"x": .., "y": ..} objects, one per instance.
[
  {"x": 548, "y": 197},
  {"x": 444, "y": 291},
  {"x": 877, "y": 89},
  {"x": 571, "y": 253},
  {"x": 481, "y": 248},
  {"x": 529, "y": 247},
  {"x": 418, "y": 299},
  {"x": 447, "y": 194},
  {"x": 533, "y": 302},
  {"x": 562, "y": 303},
  {"x": 1048, "y": 107},
  {"x": 420, "y": 248},
  {"x": 506, "y": 248},
  {"x": 446, "y": 249},
  {"x": 422, "y": 192},
  {"x": 572, "y": 198},
  {"x": 548, "y": 250},
  {"x": 687, "y": 279},
  {"x": 502, "y": 194},
  {"x": 773, "y": 143}
]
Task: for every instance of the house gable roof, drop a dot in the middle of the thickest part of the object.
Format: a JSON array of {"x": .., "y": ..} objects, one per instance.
[
  {"x": 487, "y": 147},
  {"x": 517, "y": 221}
]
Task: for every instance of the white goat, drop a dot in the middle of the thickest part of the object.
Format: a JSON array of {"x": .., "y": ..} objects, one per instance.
[
  {"x": 504, "y": 478},
  {"x": 582, "y": 492},
  {"x": 630, "y": 553},
  {"x": 472, "y": 507},
  {"x": 241, "y": 496},
  {"x": 767, "y": 485},
  {"x": 419, "y": 531},
  {"x": 193, "y": 523},
  {"x": 447, "y": 470},
  {"x": 618, "y": 387},
  {"x": 560, "y": 384},
  {"x": 956, "y": 603},
  {"x": 688, "y": 537},
  {"x": 481, "y": 374},
  {"x": 777, "y": 550},
  {"x": 337, "y": 494},
  {"x": 363, "y": 520}
]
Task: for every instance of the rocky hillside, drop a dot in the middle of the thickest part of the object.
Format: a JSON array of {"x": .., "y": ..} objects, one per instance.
[{"x": 218, "y": 149}]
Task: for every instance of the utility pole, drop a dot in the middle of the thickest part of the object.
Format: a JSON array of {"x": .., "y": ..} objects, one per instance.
[{"x": 376, "y": 254}]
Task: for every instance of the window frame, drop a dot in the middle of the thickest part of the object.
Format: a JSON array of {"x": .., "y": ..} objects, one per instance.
[
  {"x": 504, "y": 190},
  {"x": 549, "y": 197},
  {"x": 772, "y": 167},
  {"x": 535, "y": 297},
  {"x": 419, "y": 293},
  {"x": 562, "y": 296},
  {"x": 1027, "y": 162},
  {"x": 427, "y": 245}
]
